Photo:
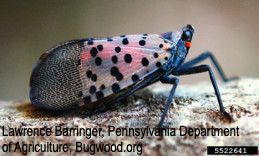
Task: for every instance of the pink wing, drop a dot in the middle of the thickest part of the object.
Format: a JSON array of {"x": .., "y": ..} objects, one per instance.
[{"x": 108, "y": 66}]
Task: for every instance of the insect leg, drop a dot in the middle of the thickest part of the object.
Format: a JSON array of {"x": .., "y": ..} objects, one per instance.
[
  {"x": 200, "y": 69},
  {"x": 204, "y": 56},
  {"x": 168, "y": 80}
]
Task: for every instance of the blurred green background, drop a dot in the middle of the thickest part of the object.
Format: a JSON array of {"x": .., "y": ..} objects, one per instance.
[{"x": 228, "y": 28}]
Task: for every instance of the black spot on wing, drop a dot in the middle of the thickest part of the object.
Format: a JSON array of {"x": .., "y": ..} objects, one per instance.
[
  {"x": 119, "y": 77},
  {"x": 87, "y": 100},
  {"x": 142, "y": 42},
  {"x": 127, "y": 58},
  {"x": 144, "y": 61},
  {"x": 161, "y": 45},
  {"x": 94, "y": 77},
  {"x": 98, "y": 61},
  {"x": 115, "y": 72},
  {"x": 158, "y": 64},
  {"x": 89, "y": 73},
  {"x": 99, "y": 95},
  {"x": 92, "y": 89},
  {"x": 100, "y": 47},
  {"x": 93, "y": 52},
  {"x": 118, "y": 49},
  {"x": 102, "y": 87},
  {"x": 125, "y": 41},
  {"x": 155, "y": 55},
  {"x": 135, "y": 78},
  {"x": 115, "y": 88},
  {"x": 114, "y": 59}
]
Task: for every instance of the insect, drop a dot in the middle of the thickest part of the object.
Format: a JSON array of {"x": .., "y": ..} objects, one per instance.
[{"x": 102, "y": 72}]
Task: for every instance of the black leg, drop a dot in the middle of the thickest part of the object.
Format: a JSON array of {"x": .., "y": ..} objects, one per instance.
[
  {"x": 168, "y": 80},
  {"x": 202, "y": 57},
  {"x": 200, "y": 69}
]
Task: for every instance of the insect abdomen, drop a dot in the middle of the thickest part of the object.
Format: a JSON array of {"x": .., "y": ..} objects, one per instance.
[{"x": 55, "y": 82}]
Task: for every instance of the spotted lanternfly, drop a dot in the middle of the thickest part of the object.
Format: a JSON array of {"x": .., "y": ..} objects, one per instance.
[{"x": 101, "y": 72}]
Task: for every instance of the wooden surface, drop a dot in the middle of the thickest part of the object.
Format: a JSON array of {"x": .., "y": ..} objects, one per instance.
[{"x": 194, "y": 106}]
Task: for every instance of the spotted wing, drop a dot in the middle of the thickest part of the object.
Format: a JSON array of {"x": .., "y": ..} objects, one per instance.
[{"x": 110, "y": 65}]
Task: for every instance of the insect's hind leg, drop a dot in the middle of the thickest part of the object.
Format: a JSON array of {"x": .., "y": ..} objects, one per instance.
[
  {"x": 200, "y": 69},
  {"x": 168, "y": 80},
  {"x": 202, "y": 57}
]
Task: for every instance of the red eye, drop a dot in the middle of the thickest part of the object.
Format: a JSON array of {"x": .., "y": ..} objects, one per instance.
[{"x": 188, "y": 44}]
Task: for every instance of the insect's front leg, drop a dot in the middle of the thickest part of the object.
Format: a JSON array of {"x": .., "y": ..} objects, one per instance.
[
  {"x": 202, "y": 57},
  {"x": 200, "y": 69},
  {"x": 168, "y": 80}
]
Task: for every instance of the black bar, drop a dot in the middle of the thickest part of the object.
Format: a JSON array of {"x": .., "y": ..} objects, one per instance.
[{"x": 230, "y": 150}]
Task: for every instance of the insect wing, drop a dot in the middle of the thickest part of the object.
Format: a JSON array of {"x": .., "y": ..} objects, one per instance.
[{"x": 110, "y": 65}]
